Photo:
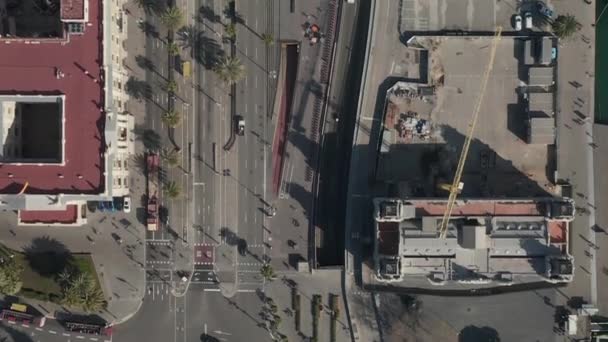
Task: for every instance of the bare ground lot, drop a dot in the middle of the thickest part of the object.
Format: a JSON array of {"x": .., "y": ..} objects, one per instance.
[{"x": 500, "y": 162}]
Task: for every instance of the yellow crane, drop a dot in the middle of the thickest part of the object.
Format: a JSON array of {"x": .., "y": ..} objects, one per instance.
[{"x": 456, "y": 186}]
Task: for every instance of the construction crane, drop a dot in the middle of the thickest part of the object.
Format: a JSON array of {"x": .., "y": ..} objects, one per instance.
[{"x": 456, "y": 186}]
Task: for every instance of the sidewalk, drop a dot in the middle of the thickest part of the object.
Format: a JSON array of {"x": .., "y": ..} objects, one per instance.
[{"x": 575, "y": 90}]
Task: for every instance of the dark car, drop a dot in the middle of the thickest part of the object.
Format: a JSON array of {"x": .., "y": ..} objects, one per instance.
[
  {"x": 544, "y": 10},
  {"x": 163, "y": 213}
]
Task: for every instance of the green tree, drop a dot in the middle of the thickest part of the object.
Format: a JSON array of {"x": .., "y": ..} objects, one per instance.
[
  {"x": 171, "y": 157},
  {"x": 565, "y": 26},
  {"x": 82, "y": 291},
  {"x": 267, "y": 272},
  {"x": 173, "y": 49},
  {"x": 268, "y": 39},
  {"x": 172, "y": 18},
  {"x": 10, "y": 277},
  {"x": 171, "y": 118},
  {"x": 172, "y": 189},
  {"x": 230, "y": 70},
  {"x": 230, "y": 30},
  {"x": 171, "y": 86}
]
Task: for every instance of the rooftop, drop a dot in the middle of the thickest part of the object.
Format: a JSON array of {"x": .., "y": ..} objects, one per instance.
[
  {"x": 72, "y": 68},
  {"x": 67, "y": 216},
  {"x": 485, "y": 239},
  {"x": 72, "y": 9}
]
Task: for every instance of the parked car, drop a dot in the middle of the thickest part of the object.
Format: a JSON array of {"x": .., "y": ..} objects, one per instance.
[
  {"x": 544, "y": 10},
  {"x": 528, "y": 20},
  {"x": 117, "y": 203},
  {"x": 517, "y": 23},
  {"x": 126, "y": 204},
  {"x": 110, "y": 206}
]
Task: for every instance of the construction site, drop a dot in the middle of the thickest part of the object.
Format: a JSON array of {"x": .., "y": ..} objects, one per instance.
[{"x": 466, "y": 193}]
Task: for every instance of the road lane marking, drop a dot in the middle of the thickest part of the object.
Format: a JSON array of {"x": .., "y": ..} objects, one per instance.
[
  {"x": 93, "y": 338},
  {"x": 52, "y": 331},
  {"x": 25, "y": 325},
  {"x": 38, "y": 329},
  {"x": 11, "y": 322},
  {"x": 66, "y": 334},
  {"x": 80, "y": 337}
]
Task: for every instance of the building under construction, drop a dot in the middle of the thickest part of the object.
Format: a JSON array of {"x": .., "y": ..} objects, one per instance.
[{"x": 509, "y": 224}]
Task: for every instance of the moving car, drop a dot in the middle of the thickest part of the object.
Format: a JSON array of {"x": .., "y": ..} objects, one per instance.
[
  {"x": 164, "y": 215},
  {"x": 240, "y": 125},
  {"x": 544, "y": 10},
  {"x": 517, "y": 23},
  {"x": 528, "y": 20},
  {"x": 126, "y": 204}
]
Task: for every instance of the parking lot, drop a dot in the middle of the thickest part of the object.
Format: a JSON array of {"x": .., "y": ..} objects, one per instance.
[{"x": 474, "y": 15}]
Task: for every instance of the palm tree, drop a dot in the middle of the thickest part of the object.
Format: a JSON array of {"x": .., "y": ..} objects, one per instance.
[
  {"x": 172, "y": 189},
  {"x": 173, "y": 49},
  {"x": 189, "y": 37},
  {"x": 171, "y": 87},
  {"x": 171, "y": 118},
  {"x": 83, "y": 291},
  {"x": 147, "y": 5},
  {"x": 565, "y": 26},
  {"x": 172, "y": 18},
  {"x": 267, "y": 272},
  {"x": 268, "y": 39},
  {"x": 230, "y": 70},
  {"x": 230, "y": 31},
  {"x": 10, "y": 277},
  {"x": 171, "y": 157}
]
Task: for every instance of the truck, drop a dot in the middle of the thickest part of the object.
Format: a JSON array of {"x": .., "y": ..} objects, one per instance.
[
  {"x": 545, "y": 50},
  {"x": 152, "y": 163}
]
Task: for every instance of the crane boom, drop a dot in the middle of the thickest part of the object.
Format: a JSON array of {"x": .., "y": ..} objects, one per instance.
[{"x": 454, "y": 190}]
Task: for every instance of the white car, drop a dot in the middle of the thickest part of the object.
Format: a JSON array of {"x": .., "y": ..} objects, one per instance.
[
  {"x": 517, "y": 23},
  {"x": 126, "y": 204},
  {"x": 528, "y": 20}
]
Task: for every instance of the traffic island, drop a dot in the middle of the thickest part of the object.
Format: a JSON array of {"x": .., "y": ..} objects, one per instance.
[{"x": 54, "y": 276}]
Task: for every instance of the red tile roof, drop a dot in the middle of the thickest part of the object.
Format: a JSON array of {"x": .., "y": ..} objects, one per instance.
[
  {"x": 67, "y": 216},
  {"x": 486, "y": 208},
  {"x": 72, "y": 9},
  {"x": 558, "y": 231},
  {"x": 30, "y": 68}
]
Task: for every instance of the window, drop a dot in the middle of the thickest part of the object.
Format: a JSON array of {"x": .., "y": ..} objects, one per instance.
[
  {"x": 126, "y": 183},
  {"x": 126, "y": 168}
]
